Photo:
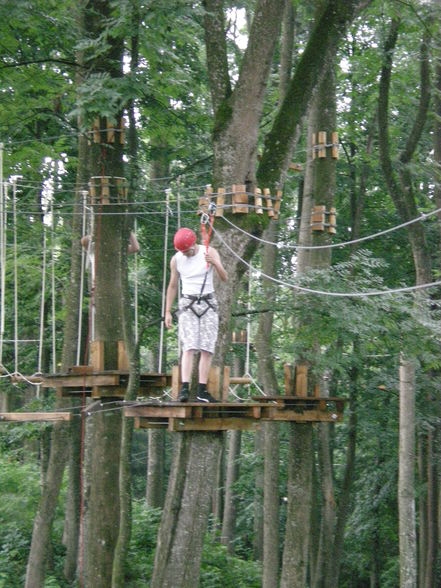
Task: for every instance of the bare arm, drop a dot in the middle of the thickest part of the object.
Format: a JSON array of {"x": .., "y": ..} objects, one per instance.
[
  {"x": 213, "y": 257},
  {"x": 85, "y": 241},
  {"x": 172, "y": 290},
  {"x": 133, "y": 244}
]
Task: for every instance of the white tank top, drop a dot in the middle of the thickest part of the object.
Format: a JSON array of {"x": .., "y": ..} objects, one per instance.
[{"x": 192, "y": 272}]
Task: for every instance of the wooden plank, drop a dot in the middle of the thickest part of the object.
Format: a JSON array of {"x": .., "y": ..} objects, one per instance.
[
  {"x": 268, "y": 202},
  {"x": 302, "y": 379},
  {"x": 318, "y": 217},
  {"x": 158, "y": 411},
  {"x": 240, "y": 380},
  {"x": 277, "y": 204},
  {"x": 106, "y": 392},
  {"x": 258, "y": 201},
  {"x": 271, "y": 413},
  {"x": 80, "y": 370},
  {"x": 289, "y": 378},
  {"x": 176, "y": 381},
  {"x": 213, "y": 384},
  {"x": 23, "y": 417},
  {"x": 146, "y": 423},
  {"x": 321, "y": 144},
  {"x": 110, "y": 131},
  {"x": 220, "y": 202},
  {"x": 334, "y": 140},
  {"x": 123, "y": 359},
  {"x": 332, "y": 221},
  {"x": 226, "y": 383},
  {"x": 300, "y": 399},
  {"x": 96, "y": 355},
  {"x": 213, "y": 424},
  {"x": 79, "y": 381},
  {"x": 239, "y": 198}
]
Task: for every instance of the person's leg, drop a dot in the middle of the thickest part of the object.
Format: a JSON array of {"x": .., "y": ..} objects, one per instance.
[
  {"x": 187, "y": 365},
  {"x": 204, "y": 366}
]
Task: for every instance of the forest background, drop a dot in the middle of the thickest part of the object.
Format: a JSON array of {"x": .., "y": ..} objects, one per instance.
[{"x": 224, "y": 93}]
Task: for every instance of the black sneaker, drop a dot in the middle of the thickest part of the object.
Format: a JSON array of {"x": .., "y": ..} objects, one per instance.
[
  {"x": 183, "y": 395},
  {"x": 205, "y": 396}
]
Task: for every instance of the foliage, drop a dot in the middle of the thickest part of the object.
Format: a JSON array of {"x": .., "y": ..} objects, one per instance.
[{"x": 19, "y": 489}]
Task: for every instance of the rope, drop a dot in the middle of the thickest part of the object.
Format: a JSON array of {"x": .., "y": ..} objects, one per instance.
[
  {"x": 164, "y": 278},
  {"x": 14, "y": 217},
  {"x": 3, "y": 217},
  {"x": 136, "y": 285},
  {"x": 420, "y": 218},
  {"x": 82, "y": 276},
  {"x": 53, "y": 300},
  {"x": 327, "y": 293},
  {"x": 207, "y": 219},
  {"x": 42, "y": 305}
]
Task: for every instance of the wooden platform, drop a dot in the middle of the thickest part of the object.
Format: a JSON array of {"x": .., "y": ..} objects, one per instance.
[
  {"x": 102, "y": 384},
  {"x": 26, "y": 417},
  {"x": 192, "y": 416}
]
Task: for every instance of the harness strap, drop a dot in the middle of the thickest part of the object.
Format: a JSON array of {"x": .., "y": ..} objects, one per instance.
[{"x": 197, "y": 300}]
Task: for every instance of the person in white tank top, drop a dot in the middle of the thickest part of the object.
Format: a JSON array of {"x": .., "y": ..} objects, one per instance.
[{"x": 198, "y": 319}]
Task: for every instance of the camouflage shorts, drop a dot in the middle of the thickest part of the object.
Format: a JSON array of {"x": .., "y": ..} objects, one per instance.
[{"x": 199, "y": 333}]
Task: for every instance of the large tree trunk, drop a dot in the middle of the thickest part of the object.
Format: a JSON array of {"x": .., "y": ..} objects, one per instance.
[
  {"x": 178, "y": 553},
  {"x": 297, "y": 536},
  {"x": 110, "y": 237}
]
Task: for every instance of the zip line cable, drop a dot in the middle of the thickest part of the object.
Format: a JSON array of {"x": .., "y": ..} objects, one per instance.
[
  {"x": 323, "y": 292},
  {"x": 279, "y": 244}
]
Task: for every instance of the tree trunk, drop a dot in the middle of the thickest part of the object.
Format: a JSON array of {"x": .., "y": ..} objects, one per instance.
[
  {"x": 298, "y": 516},
  {"x": 110, "y": 237},
  {"x": 258, "y": 497},
  {"x": 267, "y": 376},
  {"x": 406, "y": 486},
  {"x": 184, "y": 519},
  {"x": 229, "y": 519},
  {"x": 271, "y": 506},
  {"x": 155, "y": 469}
]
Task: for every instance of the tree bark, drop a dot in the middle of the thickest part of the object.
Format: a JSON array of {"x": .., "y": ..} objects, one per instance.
[
  {"x": 155, "y": 469},
  {"x": 406, "y": 486},
  {"x": 298, "y": 516},
  {"x": 110, "y": 237},
  {"x": 229, "y": 519},
  {"x": 187, "y": 504}
]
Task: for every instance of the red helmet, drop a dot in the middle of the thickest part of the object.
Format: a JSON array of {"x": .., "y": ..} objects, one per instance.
[{"x": 184, "y": 239}]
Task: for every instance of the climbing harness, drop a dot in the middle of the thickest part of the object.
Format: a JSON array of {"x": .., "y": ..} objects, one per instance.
[{"x": 206, "y": 218}]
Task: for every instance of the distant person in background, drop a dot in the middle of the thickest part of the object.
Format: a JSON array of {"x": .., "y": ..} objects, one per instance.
[{"x": 198, "y": 317}]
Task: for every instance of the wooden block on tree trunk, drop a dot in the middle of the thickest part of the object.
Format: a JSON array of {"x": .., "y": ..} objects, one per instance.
[
  {"x": 176, "y": 382},
  {"x": 220, "y": 202},
  {"x": 239, "y": 198}
]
